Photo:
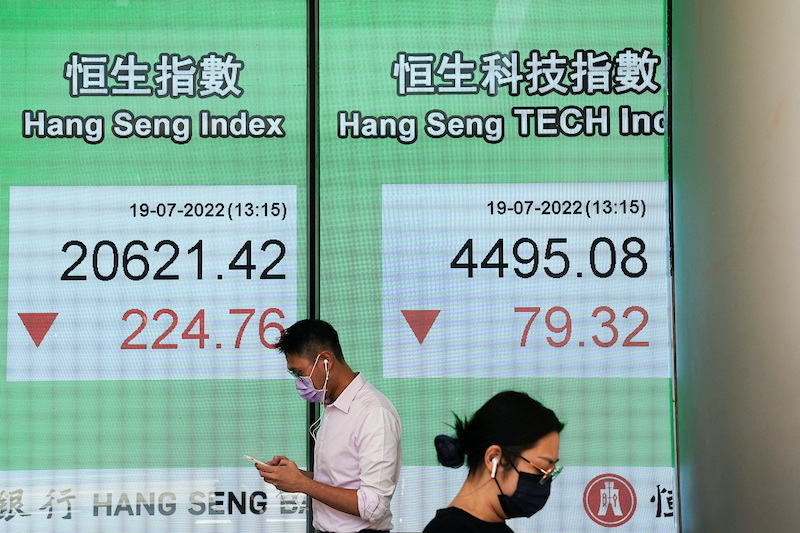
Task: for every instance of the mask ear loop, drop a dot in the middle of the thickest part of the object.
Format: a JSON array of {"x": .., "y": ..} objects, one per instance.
[
  {"x": 495, "y": 460},
  {"x": 314, "y": 427}
]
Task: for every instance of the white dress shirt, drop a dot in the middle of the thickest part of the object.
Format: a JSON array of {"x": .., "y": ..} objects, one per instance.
[{"x": 358, "y": 447}]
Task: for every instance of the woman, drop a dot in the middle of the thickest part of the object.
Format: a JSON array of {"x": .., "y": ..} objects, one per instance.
[{"x": 511, "y": 447}]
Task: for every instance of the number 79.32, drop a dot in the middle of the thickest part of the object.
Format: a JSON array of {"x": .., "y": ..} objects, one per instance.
[{"x": 558, "y": 322}]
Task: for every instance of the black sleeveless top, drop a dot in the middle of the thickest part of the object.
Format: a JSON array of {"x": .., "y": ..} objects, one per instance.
[{"x": 455, "y": 520}]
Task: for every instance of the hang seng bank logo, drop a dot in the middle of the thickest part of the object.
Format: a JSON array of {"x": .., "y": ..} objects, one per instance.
[{"x": 609, "y": 500}]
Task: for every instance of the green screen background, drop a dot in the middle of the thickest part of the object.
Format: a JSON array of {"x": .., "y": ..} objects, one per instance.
[
  {"x": 137, "y": 424},
  {"x": 610, "y": 421}
]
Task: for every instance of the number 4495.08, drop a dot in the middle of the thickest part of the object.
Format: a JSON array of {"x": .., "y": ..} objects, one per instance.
[{"x": 602, "y": 258}]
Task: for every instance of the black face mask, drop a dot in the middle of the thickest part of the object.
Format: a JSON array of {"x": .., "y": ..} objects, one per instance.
[{"x": 528, "y": 499}]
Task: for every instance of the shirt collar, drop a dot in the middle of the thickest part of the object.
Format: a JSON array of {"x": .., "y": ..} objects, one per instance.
[{"x": 345, "y": 399}]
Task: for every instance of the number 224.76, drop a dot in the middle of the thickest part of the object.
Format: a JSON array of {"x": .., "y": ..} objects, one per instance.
[{"x": 196, "y": 329}]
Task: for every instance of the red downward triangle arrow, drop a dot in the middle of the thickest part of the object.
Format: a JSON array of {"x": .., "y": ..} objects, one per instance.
[
  {"x": 421, "y": 321},
  {"x": 38, "y": 324}
]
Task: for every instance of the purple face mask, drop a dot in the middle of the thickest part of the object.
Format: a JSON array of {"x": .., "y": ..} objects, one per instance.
[{"x": 306, "y": 387}]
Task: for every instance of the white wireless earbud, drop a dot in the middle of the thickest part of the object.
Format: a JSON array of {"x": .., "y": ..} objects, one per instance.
[{"x": 494, "y": 466}]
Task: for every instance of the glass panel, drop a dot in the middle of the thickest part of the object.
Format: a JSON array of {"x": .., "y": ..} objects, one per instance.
[
  {"x": 153, "y": 202},
  {"x": 493, "y": 193}
]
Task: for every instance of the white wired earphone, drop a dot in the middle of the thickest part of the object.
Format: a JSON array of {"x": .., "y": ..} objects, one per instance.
[{"x": 318, "y": 422}]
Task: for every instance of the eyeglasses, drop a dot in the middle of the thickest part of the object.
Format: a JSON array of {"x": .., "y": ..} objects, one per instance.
[
  {"x": 550, "y": 474},
  {"x": 298, "y": 375}
]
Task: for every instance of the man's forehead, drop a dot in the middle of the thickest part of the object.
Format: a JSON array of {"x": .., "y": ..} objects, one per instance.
[{"x": 297, "y": 360}]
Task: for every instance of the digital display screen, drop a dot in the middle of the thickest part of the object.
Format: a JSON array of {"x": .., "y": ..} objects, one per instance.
[
  {"x": 493, "y": 199},
  {"x": 490, "y": 206},
  {"x": 153, "y": 191}
]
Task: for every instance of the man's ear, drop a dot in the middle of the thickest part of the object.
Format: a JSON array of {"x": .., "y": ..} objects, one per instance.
[{"x": 327, "y": 359}]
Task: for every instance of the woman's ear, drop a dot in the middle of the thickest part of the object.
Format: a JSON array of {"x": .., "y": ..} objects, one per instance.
[{"x": 491, "y": 458}]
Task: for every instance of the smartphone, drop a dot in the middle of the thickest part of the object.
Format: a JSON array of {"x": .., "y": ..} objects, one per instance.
[{"x": 256, "y": 461}]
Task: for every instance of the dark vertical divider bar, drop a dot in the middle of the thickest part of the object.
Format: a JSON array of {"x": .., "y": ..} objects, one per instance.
[
  {"x": 313, "y": 161},
  {"x": 312, "y": 47},
  {"x": 671, "y": 214}
]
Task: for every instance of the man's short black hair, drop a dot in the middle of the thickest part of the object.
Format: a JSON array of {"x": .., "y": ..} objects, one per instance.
[{"x": 309, "y": 337}]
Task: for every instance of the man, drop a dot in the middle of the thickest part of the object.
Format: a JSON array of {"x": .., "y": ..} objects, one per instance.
[{"x": 357, "y": 452}]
